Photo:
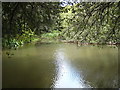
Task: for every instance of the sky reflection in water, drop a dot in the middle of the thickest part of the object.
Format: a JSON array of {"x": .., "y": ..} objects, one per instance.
[{"x": 67, "y": 76}]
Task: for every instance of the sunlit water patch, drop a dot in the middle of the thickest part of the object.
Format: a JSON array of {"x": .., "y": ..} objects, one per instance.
[{"x": 67, "y": 76}]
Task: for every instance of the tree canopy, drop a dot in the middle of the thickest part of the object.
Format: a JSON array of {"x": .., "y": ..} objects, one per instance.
[{"x": 91, "y": 22}]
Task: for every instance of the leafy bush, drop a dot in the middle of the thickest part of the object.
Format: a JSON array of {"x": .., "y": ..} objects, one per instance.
[
  {"x": 52, "y": 35},
  {"x": 19, "y": 40}
]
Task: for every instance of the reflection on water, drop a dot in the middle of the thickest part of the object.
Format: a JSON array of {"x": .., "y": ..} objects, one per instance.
[
  {"x": 67, "y": 76},
  {"x": 60, "y": 66}
]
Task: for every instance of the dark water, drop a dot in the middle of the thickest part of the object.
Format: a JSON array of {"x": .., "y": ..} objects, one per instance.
[{"x": 60, "y": 66}]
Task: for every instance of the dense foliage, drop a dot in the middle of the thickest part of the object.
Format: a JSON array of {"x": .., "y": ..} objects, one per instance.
[
  {"x": 23, "y": 21},
  {"x": 92, "y": 22},
  {"x": 95, "y": 22}
]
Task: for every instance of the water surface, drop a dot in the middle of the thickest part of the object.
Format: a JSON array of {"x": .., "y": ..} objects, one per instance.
[{"x": 60, "y": 66}]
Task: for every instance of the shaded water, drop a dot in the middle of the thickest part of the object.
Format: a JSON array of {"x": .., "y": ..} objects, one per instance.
[{"x": 60, "y": 66}]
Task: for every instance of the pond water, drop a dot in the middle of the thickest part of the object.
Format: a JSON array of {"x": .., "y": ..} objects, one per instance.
[{"x": 60, "y": 66}]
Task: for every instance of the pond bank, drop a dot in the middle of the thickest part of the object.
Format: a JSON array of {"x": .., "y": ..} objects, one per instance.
[{"x": 80, "y": 43}]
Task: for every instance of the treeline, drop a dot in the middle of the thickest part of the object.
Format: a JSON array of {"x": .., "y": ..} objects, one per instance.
[{"x": 95, "y": 22}]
